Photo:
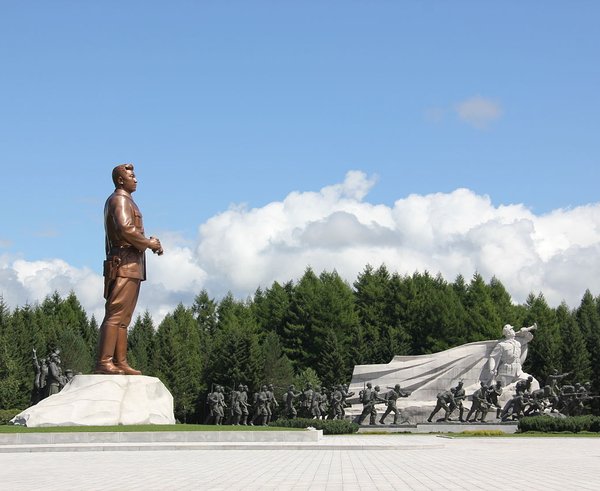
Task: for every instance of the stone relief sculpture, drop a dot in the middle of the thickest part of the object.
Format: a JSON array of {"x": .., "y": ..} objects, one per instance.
[{"x": 426, "y": 376}]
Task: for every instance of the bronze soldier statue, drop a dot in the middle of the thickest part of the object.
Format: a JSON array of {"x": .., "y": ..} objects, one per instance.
[
  {"x": 445, "y": 401},
  {"x": 290, "y": 410},
  {"x": 124, "y": 270},
  {"x": 480, "y": 404},
  {"x": 271, "y": 403},
  {"x": 244, "y": 403},
  {"x": 366, "y": 397},
  {"x": 391, "y": 399}
]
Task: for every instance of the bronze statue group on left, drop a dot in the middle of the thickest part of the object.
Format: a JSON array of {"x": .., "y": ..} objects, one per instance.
[{"x": 48, "y": 378}]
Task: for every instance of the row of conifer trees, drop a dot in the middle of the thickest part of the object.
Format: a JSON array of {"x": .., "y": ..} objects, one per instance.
[{"x": 312, "y": 330}]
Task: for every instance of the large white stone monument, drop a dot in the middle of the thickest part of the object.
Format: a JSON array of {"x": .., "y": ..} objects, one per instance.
[
  {"x": 103, "y": 400},
  {"x": 428, "y": 375}
]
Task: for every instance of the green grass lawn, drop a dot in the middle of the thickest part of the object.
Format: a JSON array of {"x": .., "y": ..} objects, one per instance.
[{"x": 138, "y": 428}]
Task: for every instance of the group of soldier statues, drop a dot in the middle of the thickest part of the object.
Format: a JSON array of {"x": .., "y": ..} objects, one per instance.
[
  {"x": 48, "y": 378},
  {"x": 318, "y": 402},
  {"x": 312, "y": 403},
  {"x": 567, "y": 400},
  {"x": 241, "y": 411},
  {"x": 370, "y": 397}
]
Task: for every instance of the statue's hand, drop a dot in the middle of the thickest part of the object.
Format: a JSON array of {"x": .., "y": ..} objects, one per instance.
[{"x": 156, "y": 246}]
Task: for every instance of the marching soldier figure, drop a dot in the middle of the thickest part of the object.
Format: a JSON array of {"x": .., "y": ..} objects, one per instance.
[
  {"x": 366, "y": 397},
  {"x": 290, "y": 410},
  {"x": 391, "y": 398},
  {"x": 271, "y": 403}
]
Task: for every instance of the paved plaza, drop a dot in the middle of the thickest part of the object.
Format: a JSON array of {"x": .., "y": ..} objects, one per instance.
[{"x": 419, "y": 462}]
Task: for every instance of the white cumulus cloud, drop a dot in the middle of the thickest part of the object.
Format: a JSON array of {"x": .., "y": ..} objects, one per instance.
[
  {"x": 461, "y": 232},
  {"x": 478, "y": 111}
]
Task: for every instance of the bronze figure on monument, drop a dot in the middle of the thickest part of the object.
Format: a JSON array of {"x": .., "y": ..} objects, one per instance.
[{"x": 124, "y": 270}]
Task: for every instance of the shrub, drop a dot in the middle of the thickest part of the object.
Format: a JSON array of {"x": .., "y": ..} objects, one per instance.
[
  {"x": 571, "y": 424},
  {"x": 329, "y": 427},
  {"x": 7, "y": 414},
  {"x": 483, "y": 433}
]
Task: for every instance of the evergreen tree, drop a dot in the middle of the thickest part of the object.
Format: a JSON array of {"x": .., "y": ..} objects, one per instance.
[
  {"x": 234, "y": 355},
  {"x": 205, "y": 310},
  {"x": 277, "y": 368},
  {"x": 575, "y": 357},
  {"x": 543, "y": 355},
  {"x": 482, "y": 320},
  {"x": 141, "y": 343},
  {"x": 588, "y": 318},
  {"x": 332, "y": 366},
  {"x": 272, "y": 307},
  {"x": 13, "y": 395},
  {"x": 298, "y": 330},
  {"x": 178, "y": 361},
  {"x": 74, "y": 352},
  {"x": 371, "y": 298},
  {"x": 503, "y": 304},
  {"x": 306, "y": 377}
]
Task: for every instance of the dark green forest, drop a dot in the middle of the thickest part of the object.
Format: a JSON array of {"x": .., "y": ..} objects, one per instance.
[{"x": 315, "y": 329}]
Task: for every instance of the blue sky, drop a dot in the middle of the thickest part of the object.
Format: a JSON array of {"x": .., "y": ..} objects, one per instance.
[{"x": 229, "y": 103}]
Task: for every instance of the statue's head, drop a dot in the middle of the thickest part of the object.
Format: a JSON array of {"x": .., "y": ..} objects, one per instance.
[
  {"x": 377, "y": 388},
  {"x": 508, "y": 331},
  {"x": 499, "y": 383},
  {"x": 271, "y": 387},
  {"x": 460, "y": 384},
  {"x": 241, "y": 387},
  {"x": 369, "y": 385},
  {"x": 124, "y": 178},
  {"x": 291, "y": 387},
  {"x": 264, "y": 388},
  {"x": 397, "y": 386}
]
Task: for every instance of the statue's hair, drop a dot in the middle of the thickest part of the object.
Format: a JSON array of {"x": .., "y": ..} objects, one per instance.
[{"x": 119, "y": 171}]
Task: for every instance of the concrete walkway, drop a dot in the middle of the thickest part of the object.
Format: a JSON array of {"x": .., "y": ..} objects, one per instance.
[{"x": 420, "y": 462}]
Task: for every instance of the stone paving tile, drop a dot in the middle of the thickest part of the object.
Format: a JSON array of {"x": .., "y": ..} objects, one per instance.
[{"x": 532, "y": 464}]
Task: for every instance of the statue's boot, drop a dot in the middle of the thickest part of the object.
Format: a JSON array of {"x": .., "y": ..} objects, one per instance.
[
  {"x": 498, "y": 411},
  {"x": 121, "y": 354},
  {"x": 106, "y": 349},
  {"x": 381, "y": 421}
]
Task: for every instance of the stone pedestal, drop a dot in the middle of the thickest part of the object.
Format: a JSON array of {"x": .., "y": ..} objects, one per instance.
[{"x": 103, "y": 400}]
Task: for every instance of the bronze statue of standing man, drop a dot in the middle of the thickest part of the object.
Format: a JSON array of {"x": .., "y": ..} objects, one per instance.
[{"x": 124, "y": 270}]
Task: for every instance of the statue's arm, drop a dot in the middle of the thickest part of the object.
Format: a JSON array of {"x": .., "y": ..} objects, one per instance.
[
  {"x": 494, "y": 359},
  {"x": 526, "y": 333},
  {"x": 123, "y": 216}
]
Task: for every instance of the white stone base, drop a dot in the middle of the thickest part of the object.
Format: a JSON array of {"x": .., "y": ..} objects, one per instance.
[{"x": 103, "y": 400}]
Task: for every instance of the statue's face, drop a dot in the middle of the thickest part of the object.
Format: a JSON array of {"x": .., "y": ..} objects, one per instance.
[
  {"x": 128, "y": 181},
  {"x": 508, "y": 331}
]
